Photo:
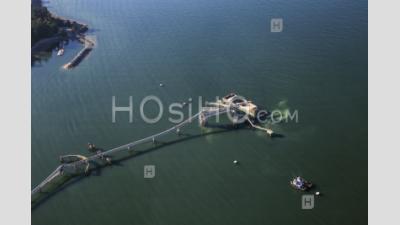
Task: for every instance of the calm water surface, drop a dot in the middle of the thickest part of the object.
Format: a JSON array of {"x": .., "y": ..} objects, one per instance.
[{"x": 317, "y": 65}]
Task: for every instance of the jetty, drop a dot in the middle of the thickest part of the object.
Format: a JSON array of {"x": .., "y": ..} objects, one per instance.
[
  {"x": 88, "y": 47},
  {"x": 75, "y": 165}
]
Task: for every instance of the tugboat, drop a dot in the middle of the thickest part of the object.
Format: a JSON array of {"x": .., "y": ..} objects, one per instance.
[{"x": 300, "y": 183}]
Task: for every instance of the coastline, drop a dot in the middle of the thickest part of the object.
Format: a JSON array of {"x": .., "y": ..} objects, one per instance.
[{"x": 66, "y": 30}]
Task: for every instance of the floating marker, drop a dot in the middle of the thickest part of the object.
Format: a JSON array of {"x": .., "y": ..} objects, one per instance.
[{"x": 235, "y": 162}]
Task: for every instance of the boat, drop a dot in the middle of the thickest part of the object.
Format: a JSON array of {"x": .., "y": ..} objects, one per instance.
[
  {"x": 300, "y": 183},
  {"x": 60, "y": 52}
]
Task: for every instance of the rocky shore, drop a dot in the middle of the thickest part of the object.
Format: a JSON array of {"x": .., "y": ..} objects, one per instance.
[{"x": 49, "y": 30}]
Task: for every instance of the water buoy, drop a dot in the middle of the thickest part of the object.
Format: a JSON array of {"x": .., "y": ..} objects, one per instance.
[
  {"x": 235, "y": 162},
  {"x": 161, "y": 84}
]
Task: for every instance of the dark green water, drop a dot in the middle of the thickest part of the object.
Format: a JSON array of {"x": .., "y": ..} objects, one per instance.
[{"x": 317, "y": 65}]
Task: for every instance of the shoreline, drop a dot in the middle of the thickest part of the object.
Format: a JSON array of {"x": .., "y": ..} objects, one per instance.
[
  {"x": 65, "y": 33},
  {"x": 67, "y": 30}
]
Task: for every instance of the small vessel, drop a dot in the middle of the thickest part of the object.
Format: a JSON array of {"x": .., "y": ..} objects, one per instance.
[
  {"x": 300, "y": 183},
  {"x": 91, "y": 147},
  {"x": 60, "y": 52}
]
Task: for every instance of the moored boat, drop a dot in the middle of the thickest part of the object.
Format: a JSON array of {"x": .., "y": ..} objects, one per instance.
[
  {"x": 300, "y": 183},
  {"x": 60, "y": 52}
]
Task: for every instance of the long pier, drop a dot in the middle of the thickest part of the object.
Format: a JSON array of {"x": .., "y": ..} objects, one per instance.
[{"x": 83, "y": 164}]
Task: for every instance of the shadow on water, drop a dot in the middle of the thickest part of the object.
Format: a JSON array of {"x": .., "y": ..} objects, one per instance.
[
  {"x": 119, "y": 162},
  {"x": 93, "y": 31},
  {"x": 38, "y": 59},
  {"x": 275, "y": 135},
  {"x": 44, "y": 55},
  {"x": 69, "y": 182}
]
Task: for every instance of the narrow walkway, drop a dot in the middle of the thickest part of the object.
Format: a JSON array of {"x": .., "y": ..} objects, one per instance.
[
  {"x": 89, "y": 45},
  {"x": 269, "y": 131},
  {"x": 82, "y": 166}
]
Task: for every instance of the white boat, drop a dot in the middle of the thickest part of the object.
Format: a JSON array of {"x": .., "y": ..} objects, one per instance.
[
  {"x": 300, "y": 183},
  {"x": 60, "y": 52}
]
